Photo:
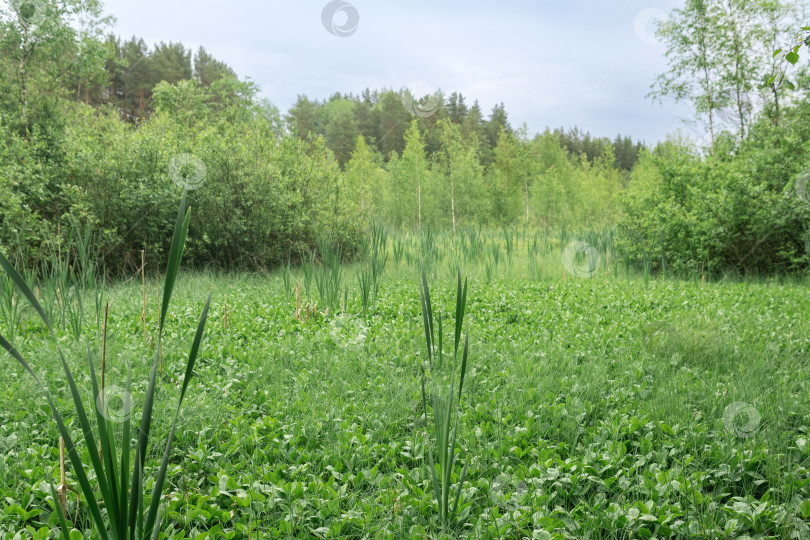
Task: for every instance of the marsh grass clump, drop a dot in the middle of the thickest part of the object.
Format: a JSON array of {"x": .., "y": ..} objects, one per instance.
[
  {"x": 444, "y": 403},
  {"x": 370, "y": 275},
  {"x": 121, "y": 511},
  {"x": 329, "y": 274}
]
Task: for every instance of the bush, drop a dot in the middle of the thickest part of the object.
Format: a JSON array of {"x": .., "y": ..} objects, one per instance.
[{"x": 734, "y": 212}]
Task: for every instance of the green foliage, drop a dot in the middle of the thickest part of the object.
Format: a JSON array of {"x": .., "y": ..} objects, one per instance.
[
  {"x": 577, "y": 392},
  {"x": 263, "y": 197},
  {"x": 444, "y": 404},
  {"x": 790, "y": 53},
  {"x": 329, "y": 275},
  {"x": 366, "y": 182},
  {"x": 68, "y": 154},
  {"x": 459, "y": 188},
  {"x": 724, "y": 214},
  {"x": 122, "y": 491}
]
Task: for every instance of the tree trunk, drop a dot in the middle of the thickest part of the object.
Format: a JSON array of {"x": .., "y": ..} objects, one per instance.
[
  {"x": 23, "y": 93},
  {"x": 453, "y": 205},
  {"x": 419, "y": 202},
  {"x": 527, "y": 201},
  {"x": 738, "y": 82},
  {"x": 705, "y": 62}
]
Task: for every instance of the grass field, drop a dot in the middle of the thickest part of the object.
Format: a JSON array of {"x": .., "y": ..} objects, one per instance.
[{"x": 608, "y": 407}]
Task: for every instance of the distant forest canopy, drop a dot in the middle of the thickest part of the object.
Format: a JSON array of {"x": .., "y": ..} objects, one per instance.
[
  {"x": 378, "y": 115},
  {"x": 92, "y": 128}
]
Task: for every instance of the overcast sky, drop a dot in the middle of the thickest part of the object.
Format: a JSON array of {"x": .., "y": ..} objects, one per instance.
[{"x": 557, "y": 63}]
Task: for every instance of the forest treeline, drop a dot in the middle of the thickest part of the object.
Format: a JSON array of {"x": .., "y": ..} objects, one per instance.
[{"x": 91, "y": 124}]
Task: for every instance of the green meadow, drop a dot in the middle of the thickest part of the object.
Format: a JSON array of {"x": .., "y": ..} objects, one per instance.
[{"x": 598, "y": 403}]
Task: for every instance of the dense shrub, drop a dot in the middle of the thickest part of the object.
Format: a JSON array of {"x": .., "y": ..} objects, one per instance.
[
  {"x": 736, "y": 211},
  {"x": 262, "y": 200}
]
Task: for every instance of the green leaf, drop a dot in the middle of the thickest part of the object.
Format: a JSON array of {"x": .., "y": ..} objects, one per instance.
[
  {"x": 20, "y": 283},
  {"x": 776, "y": 52},
  {"x": 126, "y": 438},
  {"x": 75, "y": 459},
  {"x": 804, "y": 508},
  {"x": 789, "y": 85},
  {"x": 792, "y": 57},
  {"x": 62, "y": 522},
  {"x": 192, "y": 357},
  {"x": 429, "y": 451},
  {"x": 175, "y": 255}
]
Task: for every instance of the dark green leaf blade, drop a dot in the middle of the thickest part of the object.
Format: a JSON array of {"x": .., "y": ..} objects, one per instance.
[{"x": 192, "y": 357}]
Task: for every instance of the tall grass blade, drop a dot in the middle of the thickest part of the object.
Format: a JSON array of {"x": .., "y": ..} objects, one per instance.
[
  {"x": 433, "y": 476},
  {"x": 175, "y": 256},
  {"x": 125, "y": 444},
  {"x": 62, "y": 522},
  {"x": 23, "y": 286},
  {"x": 445, "y": 404},
  {"x": 75, "y": 460},
  {"x": 192, "y": 357}
]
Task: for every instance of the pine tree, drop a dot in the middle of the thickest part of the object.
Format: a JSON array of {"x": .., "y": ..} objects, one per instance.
[
  {"x": 302, "y": 119},
  {"x": 207, "y": 69}
]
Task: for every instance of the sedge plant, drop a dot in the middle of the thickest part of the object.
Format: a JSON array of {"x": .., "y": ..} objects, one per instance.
[
  {"x": 445, "y": 404},
  {"x": 120, "y": 511}
]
